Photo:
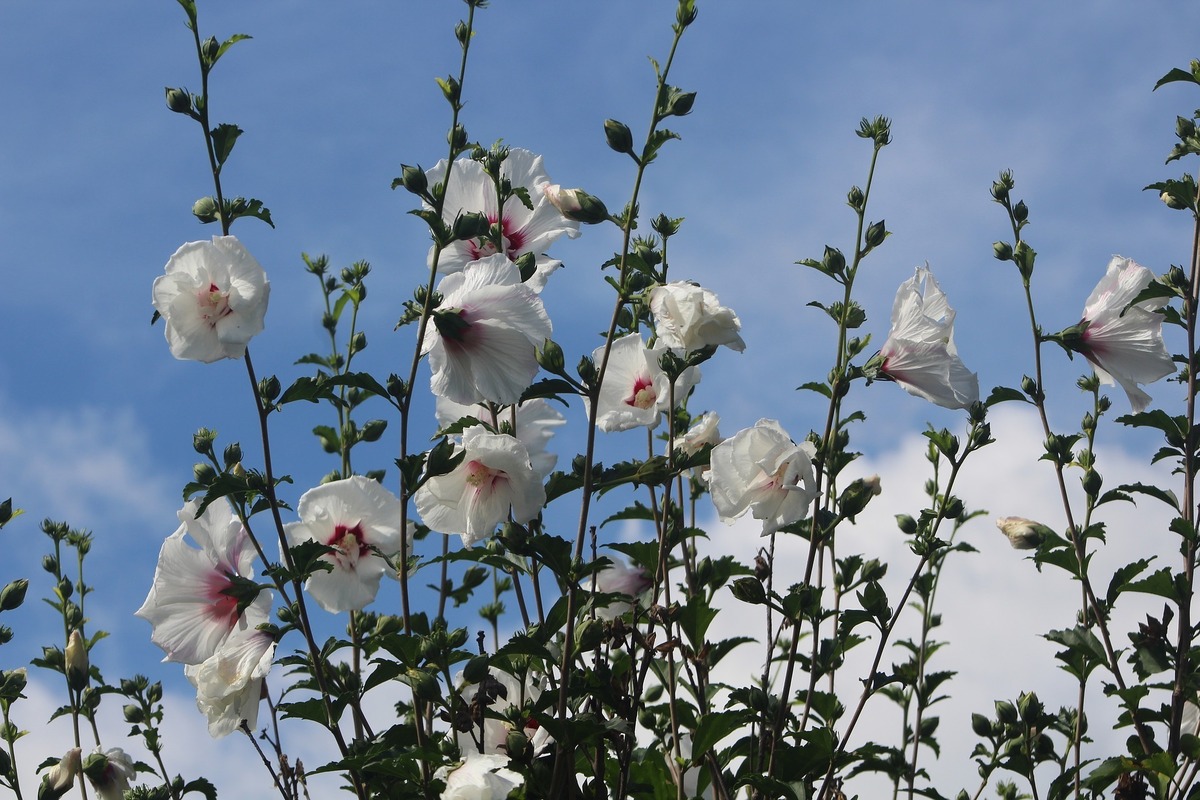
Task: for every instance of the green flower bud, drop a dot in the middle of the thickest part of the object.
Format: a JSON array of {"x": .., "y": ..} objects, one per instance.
[
  {"x": 906, "y": 524},
  {"x": 13, "y": 595},
  {"x": 205, "y": 209},
  {"x": 749, "y": 590},
  {"x": 1092, "y": 481},
  {"x": 204, "y": 473},
  {"x": 855, "y": 198},
  {"x": 372, "y": 429},
  {"x": 1172, "y": 201},
  {"x": 179, "y": 101},
  {"x": 470, "y": 225},
  {"x": 269, "y": 388},
  {"x": 1006, "y": 712},
  {"x": 1003, "y": 251},
  {"x": 618, "y": 136},
  {"x": 550, "y": 358},
  {"x": 876, "y": 233},
  {"x": 134, "y": 715},
  {"x": 1020, "y": 211},
  {"x": 232, "y": 455},
  {"x": 209, "y": 49},
  {"x": 981, "y": 725},
  {"x": 589, "y": 634}
]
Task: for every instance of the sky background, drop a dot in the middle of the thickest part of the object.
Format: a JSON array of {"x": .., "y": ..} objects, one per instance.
[{"x": 97, "y": 180}]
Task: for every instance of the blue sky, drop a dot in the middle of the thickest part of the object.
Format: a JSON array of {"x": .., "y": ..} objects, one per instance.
[{"x": 97, "y": 179}]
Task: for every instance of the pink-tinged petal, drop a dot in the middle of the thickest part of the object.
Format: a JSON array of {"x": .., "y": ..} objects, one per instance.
[
  {"x": 213, "y": 299},
  {"x": 919, "y": 353},
  {"x": 760, "y": 469},
  {"x": 356, "y": 517},
  {"x": 494, "y": 479},
  {"x": 634, "y": 386},
  {"x": 187, "y": 607},
  {"x": 1124, "y": 343},
  {"x": 229, "y": 683}
]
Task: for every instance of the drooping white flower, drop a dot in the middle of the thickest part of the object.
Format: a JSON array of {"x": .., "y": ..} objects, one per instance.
[
  {"x": 495, "y": 476},
  {"x": 188, "y": 605},
  {"x": 635, "y": 389},
  {"x": 524, "y": 230},
  {"x": 213, "y": 298},
  {"x": 356, "y": 517},
  {"x": 1124, "y": 343},
  {"x": 703, "y": 431},
  {"x": 483, "y": 343},
  {"x": 919, "y": 353},
  {"x": 229, "y": 683},
  {"x": 621, "y": 578},
  {"x": 535, "y": 421},
  {"x": 110, "y": 772},
  {"x": 761, "y": 470},
  {"x": 690, "y": 317},
  {"x": 480, "y": 777}
]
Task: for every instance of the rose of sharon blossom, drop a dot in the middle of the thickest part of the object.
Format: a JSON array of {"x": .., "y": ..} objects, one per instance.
[
  {"x": 480, "y": 777},
  {"x": 524, "y": 230},
  {"x": 494, "y": 478},
  {"x": 188, "y": 606},
  {"x": 356, "y": 517},
  {"x": 110, "y": 772},
  {"x": 1124, "y": 343},
  {"x": 229, "y": 683},
  {"x": 689, "y": 317},
  {"x": 483, "y": 341},
  {"x": 635, "y": 389},
  {"x": 623, "y": 579},
  {"x": 919, "y": 353},
  {"x": 213, "y": 298},
  {"x": 534, "y": 423},
  {"x": 703, "y": 431},
  {"x": 499, "y": 694},
  {"x": 761, "y": 470}
]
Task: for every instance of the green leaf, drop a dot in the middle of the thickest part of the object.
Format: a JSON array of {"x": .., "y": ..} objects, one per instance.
[
  {"x": 715, "y": 726},
  {"x": 1004, "y": 394},
  {"x": 1160, "y": 583},
  {"x": 224, "y": 136},
  {"x": 1176, "y": 75},
  {"x": 1120, "y": 579},
  {"x": 1166, "y": 495},
  {"x": 228, "y": 43}
]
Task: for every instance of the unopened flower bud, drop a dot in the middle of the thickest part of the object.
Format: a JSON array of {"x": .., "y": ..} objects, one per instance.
[
  {"x": 575, "y": 204},
  {"x": 550, "y": 357},
  {"x": 906, "y": 524},
  {"x": 1092, "y": 482},
  {"x": 179, "y": 101},
  {"x": 470, "y": 225},
  {"x": 855, "y": 198},
  {"x": 1020, "y": 211},
  {"x": 413, "y": 179},
  {"x": 749, "y": 590},
  {"x": 1023, "y": 534},
  {"x": 618, "y": 136},
  {"x": 210, "y": 48},
  {"x": 204, "y": 473},
  {"x": 61, "y": 777},
  {"x": 876, "y": 233},
  {"x": 1003, "y": 251},
  {"x": 76, "y": 661},
  {"x": 205, "y": 209},
  {"x": 13, "y": 595}
]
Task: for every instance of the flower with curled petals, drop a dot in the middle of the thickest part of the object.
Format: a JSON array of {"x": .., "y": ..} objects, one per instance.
[
  {"x": 919, "y": 353},
  {"x": 213, "y": 297},
  {"x": 192, "y": 604},
  {"x": 525, "y": 230},
  {"x": 229, "y": 682},
  {"x": 690, "y": 317},
  {"x": 534, "y": 422},
  {"x": 480, "y": 776},
  {"x": 360, "y": 520},
  {"x": 493, "y": 479},
  {"x": 761, "y": 470},
  {"x": 483, "y": 342}
]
